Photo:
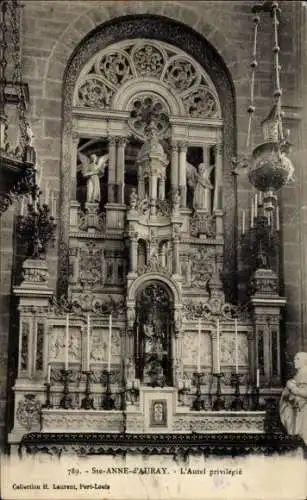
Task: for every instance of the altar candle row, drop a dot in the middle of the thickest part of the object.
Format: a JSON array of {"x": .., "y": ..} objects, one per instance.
[
  {"x": 218, "y": 349},
  {"x": 88, "y": 336},
  {"x": 49, "y": 199}
]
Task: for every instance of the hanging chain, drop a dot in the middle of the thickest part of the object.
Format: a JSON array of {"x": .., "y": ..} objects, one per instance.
[
  {"x": 254, "y": 64},
  {"x": 276, "y": 49},
  {"x": 15, "y": 18},
  {"x": 3, "y": 65}
]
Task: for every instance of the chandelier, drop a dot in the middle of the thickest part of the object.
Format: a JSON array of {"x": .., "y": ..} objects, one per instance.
[
  {"x": 269, "y": 166},
  {"x": 17, "y": 163}
]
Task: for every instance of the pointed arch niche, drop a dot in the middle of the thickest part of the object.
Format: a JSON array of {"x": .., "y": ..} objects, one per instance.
[{"x": 112, "y": 72}]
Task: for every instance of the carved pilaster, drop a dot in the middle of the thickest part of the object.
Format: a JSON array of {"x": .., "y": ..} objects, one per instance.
[
  {"x": 174, "y": 167},
  {"x": 217, "y": 200},
  {"x": 74, "y": 148},
  {"x": 120, "y": 168},
  {"x": 183, "y": 147},
  {"x": 133, "y": 253},
  {"x": 112, "y": 169}
]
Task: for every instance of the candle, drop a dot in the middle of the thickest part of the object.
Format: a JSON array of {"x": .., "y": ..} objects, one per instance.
[
  {"x": 47, "y": 196},
  {"x": 236, "y": 338},
  {"x": 49, "y": 374},
  {"x": 260, "y": 198},
  {"x": 88, "y": 343},
  {"x": 198, "y": 352},
  {"x": 66, "y": 341},
  {"x": 252, "y": 215},
  {"x": 243, "y": 222},
  {"x": 277, "y": 219},
  {"x": 22, "y": 207},
  {"x": 257, "y": 378},
  {"x": 110, "y": 342},
  {"x": 137, "y": 341},
  {"x": 218, "y": 366},
  {"x": 256, "y": 205}
]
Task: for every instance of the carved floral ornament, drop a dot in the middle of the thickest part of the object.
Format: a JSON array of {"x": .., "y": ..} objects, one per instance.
[{"x": 133, "y": 61}]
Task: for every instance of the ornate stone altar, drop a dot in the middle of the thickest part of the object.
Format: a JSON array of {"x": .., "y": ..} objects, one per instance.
[{"x": 144, "y": 339}]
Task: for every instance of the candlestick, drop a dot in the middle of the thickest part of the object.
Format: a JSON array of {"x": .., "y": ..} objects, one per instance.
[
  {"x": 237, "y": 403},
  {"x": 236, "y": 346},
  {"x": 49, "y": 374},
  {"x": 257, "y": 378},
  {"x": 243, "y": 222},
  {"x": 198, "y": 353},
  {"x": 110, "y": 342},
  {"x": 66, "y": 341},
  {"x": 66, "y": 401},
  {"x": 88, "y": 344},
  {"x": 218, "y": 367},
  {"x": 197, "y": 403},
  {"x": 219, "y": 403},
  {"x": 87, "y": 402}
]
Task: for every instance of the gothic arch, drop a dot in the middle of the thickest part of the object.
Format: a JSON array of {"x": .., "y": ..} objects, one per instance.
[{"x": 188, "y": 40}]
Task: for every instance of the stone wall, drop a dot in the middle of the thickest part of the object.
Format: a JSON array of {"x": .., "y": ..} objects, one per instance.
[{"x": 53, "y": 29}]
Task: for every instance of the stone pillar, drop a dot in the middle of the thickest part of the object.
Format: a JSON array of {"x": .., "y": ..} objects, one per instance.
[
  {"x": 176, "y": 261},
  {"x": 112, "y": 170},
  {"x": 74, "y": 149},
  {"x": 182, "y": 173},
  {"x": 133, "y": 253},
  {"x": 120, "y": 169},
  {"x": 217, "y": 201},
  {"x": 174, "y": 167}
]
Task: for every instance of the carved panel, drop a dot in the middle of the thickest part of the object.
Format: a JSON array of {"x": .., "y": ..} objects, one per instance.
[
  {"x": 28, "y": 411},
  {"x": 228, "y": 349},
  {"x": 78, "y": 421},
  {"x": 190, "y": 347},
  {"x": 100, "y": 345},
  {"x": 250, "y": 422},
  {"x": 56, "y": 344},
  {"x": 202, "y": 267},
  {"x": 92, "y": 266}
]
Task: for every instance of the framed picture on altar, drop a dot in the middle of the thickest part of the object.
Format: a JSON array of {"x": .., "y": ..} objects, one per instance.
[{"x": 158, "y": 413}]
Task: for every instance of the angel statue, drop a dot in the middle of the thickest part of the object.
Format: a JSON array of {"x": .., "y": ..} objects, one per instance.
[
  {"x": 92, "y": 169},
  {"x": 200, "y": 181},
  {"x": 293, "y": 402}
]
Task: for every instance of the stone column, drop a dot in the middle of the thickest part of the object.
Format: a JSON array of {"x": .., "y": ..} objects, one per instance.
[
  {"x": 112, "y": 170},
  {"x": 176, "y": 261},
  {"x": 174, "y": 167},
  {"x": 217, "y": 201},
  {"x": 182, "y": 172},
  {"x": 120, "y": 169},
  {"x": 74, "y": 149},
  {"x": 133, "y": 253}
]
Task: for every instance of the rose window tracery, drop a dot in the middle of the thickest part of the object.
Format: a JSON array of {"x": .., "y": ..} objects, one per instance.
[
  {"x": 136, "y": 60},
  {"x": 180, "y": 75},
  {"x": 149, "y": 61},
  {"x": 147, "y": 108}
]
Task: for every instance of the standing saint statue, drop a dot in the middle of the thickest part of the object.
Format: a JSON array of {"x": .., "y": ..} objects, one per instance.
[
  {"x": 92, "y": 169},
  {"x": 293, "y": 402},
  {"x": 202, "y": 197}
]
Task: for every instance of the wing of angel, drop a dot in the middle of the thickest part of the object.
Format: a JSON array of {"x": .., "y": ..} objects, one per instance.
[
  {"x": 206, "y": 175},
  {"x": 102, "y": 163},
  {"x": 84, "y": 162},
  {"x": 192, "y": 175}
]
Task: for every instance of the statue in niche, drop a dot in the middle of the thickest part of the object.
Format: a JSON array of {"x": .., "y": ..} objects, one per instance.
[
  {"x": 293, "y": 402},
  {"x": 203, "y": 188},
  {"x": 93, "y": 168},
  {"x": 154, "y": 352},
  {"x": 153, "y": 335}
]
